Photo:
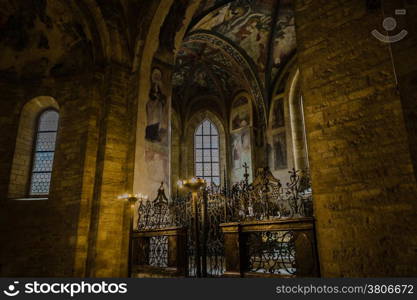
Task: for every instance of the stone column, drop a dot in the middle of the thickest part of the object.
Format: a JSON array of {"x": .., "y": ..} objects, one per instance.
[
  {"x": 108, "y": 243},
  {"x": 363, "y": 180}
]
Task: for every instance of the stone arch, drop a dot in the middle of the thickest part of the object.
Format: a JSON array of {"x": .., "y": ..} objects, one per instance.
[
  {"x": 93, "y": 19},
  {"x": 242, "y": 62},
  {"x": 22, "y": 158},
  {"x": 298, "y": 129},
  {"x": 288, "y": 90}
]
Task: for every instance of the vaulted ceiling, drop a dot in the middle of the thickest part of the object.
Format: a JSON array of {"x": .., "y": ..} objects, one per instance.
[
  {"x": 40, "y": 38},
  {"x": 262, "y": 31}
]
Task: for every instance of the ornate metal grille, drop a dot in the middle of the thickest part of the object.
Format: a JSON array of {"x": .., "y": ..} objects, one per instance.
[
  {"x": 271, "y": 252},
  {"x": 266, "y": 198},
  {"x": 209, "y": 252},
  {"x": 43, "y": 156},
  {"x": 214, "y": 241},
  {"x": 158, "y": 251},
  {"x": 156, "y": 214}
]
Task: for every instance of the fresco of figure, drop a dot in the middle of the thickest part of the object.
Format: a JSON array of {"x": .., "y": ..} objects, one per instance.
[
  {"x": 155, "y": 108},
  {"x": 278, "y": 116},
  {"x": 280, "y": 152}
]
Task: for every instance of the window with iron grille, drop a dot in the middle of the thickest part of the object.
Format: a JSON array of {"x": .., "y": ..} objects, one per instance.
[
  {"x": 43, "y": 154},
  {"x": 207, "y": 156}
]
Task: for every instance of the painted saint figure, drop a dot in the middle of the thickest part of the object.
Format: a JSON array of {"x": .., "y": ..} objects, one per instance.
[
  {"x": 278, "y": 117},
  {"x": 155, "y": 108},
  {"x": 280, "y": 152}
]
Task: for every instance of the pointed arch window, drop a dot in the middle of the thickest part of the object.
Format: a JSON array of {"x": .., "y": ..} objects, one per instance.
[
  {"x": 207, "y": 156},
  {"x": 43, "y": 153}
]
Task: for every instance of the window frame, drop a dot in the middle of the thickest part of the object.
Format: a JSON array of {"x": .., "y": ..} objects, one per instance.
[
  {"x": 34, "y": 143},
  {"x": 201, "y": 124}
]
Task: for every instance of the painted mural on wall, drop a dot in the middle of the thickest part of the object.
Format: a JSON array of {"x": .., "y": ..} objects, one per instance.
[
  {"x": 241, "y": 113},
  {"x": 285, "y": 38},
  {"x": 157, "y": 111},
  {"x": 241, "y": 154},
  {"x": 157, "y": 167},
  {"x": 279, "y": 148},
  {"x": 41, "y": 39},
  {"x": 278, "y": 114},
  {"x": 157, "y": 130},
  {"x": 247, "y": 23},
  {"x": 201, "y": 69},
  {"x": 241, "y": 137}
]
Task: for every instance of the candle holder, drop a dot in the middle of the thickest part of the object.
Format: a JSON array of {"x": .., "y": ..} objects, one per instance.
[{"x": 193, "y": 184}]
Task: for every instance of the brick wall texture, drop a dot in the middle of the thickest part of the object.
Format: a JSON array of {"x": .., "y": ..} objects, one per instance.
[
  {"x": 362, "y": 171},
  {"x": 60, "y": 236}
]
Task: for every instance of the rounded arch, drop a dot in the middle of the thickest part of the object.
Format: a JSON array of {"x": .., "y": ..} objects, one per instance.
[
  {"x": 93, "y": 19},
  {"x": 281, "y": 80},
  {"x": 22, "y": 158},
  {"x": 206, "y": 103},
  {"x": 239, "y": 59},
  {"x": 188, "y": 145},
  {"x": 298, "y": 129}
]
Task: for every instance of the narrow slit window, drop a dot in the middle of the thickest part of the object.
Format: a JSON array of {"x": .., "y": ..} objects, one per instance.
[
  {"x": 43, "y": 154},
  {"x": 207, "y": 156}
]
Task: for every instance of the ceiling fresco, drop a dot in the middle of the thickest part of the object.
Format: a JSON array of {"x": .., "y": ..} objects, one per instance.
[
  {"x": 248, "y": 24},
  {"x": 245, "y": 22},
  {"x": 202, "y": 69},
  {"x": 41, "y": 38},
  {"x": 285, "y": 42}
]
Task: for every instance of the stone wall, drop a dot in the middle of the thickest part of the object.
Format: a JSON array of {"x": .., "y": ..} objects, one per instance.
[
  {"x": 38, "y": 237},
  {"x": 363, "y": 180},
  {"x": 405, "y": 64},
  {"x": 82, "y": 228}
]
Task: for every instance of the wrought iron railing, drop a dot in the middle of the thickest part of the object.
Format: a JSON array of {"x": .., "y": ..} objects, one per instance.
[
  {"x": 271, "y": 248},
  {"x": 265, "y": 199},
  {"x": 270, "y": 252}
]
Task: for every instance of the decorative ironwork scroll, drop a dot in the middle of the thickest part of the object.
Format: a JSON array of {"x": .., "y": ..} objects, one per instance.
[
  {"x": 271, "y": 252},
  {"x": 160, "y": 213},
  {"x": 267, "y": 198},
  {"x": 158, "y": 251}
]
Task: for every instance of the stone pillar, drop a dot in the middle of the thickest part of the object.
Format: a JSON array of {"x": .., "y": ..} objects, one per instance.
[
  {"x": 363, "y": 180},
  {"x": 405, "y": 65},
  {"x": 108, "y": 243}
]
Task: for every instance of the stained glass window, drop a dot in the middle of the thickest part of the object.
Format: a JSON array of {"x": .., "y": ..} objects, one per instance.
[
  {"x": 207, "y": 158},
  {"x": 44, "y": 150}
]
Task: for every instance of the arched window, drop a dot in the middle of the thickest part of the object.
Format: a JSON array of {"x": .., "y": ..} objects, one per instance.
[
  {"x": 43, "y": 153},
  {"x": 206, "y": 147}
]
